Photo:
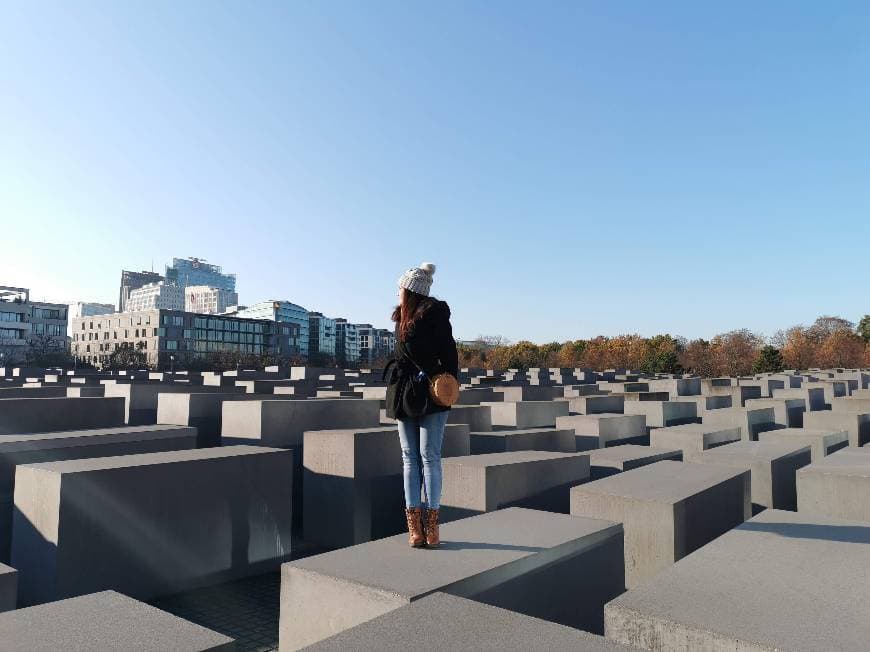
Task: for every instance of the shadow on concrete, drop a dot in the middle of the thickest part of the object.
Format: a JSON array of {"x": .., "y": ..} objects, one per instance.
[
  {"x": 841, "y": 533},
  {"x": 476, "y": 545}
]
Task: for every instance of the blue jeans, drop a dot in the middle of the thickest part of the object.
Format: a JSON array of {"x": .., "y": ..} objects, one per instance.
[{"x": 421, "y": 440}]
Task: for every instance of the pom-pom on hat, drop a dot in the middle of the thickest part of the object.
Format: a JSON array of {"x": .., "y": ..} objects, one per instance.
[{"x": 418, "y": 279}]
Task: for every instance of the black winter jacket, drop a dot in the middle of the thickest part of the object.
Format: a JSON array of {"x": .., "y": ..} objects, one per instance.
[{"x": 431, "y": 345}]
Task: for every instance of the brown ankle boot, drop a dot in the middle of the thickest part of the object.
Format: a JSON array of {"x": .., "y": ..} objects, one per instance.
[
  {"x": 415, "y": 527},
  {"x": 433, "y": 537}
]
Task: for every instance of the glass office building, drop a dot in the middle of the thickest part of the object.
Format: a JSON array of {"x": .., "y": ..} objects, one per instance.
[
  {"x": 192, "y": 271},
  {"x": 321, "y": 335},
  {"x": 346, "y": 343},
  {"x": 285, "y": 312}
]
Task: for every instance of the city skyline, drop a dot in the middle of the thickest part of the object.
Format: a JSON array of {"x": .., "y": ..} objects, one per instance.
[{"x": 573, "y": 170}]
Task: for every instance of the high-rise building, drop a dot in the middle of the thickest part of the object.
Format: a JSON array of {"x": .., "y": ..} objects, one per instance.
[
  {"x": 24, "y": 323},
  {"x": 185, "y": 272},
  {"x": 155, "y": 296},
  {"x": 287, "y": 313},
  {"x": 321, "y": 336},
  {"x": 346, "y": 343},
  {"x": 86, "y": 309},
  {"x": 206, "y": 300},
  {"x": 133, "y": 280},
  {"x": 185, "y": 336}
]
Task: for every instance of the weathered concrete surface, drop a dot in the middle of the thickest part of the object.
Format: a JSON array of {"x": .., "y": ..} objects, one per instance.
[
  {"x": 8, "y": 590},
  {"x": 77, "y": 444},
  {"x": 599, "y": 430},
  {"x": 150, "y": 524},
  {"x": 509, "y": 559},
  {"x": 662, "y": 414},
  {"x": 352, "y": 483},
  {"x": 140, "y": 399},
  {"x": 528, "y": 393},
  {"x": 837, "y": 486},
  {"x": 693, "y": 438},
  {"x": 559, "y": 440},
  {"x": 777, "y": 582},
  {"x": 739, "y": 394},
  {"x": 851, "y": 404},
  {"x": 600, "y": 404},
  {"x": 750, "y": 421},
  {"x": 773, "y": 465},
  {"x": 669, "y": 509},
  {"x": 201, "y": 411},
  {"x": 788, "y": 412},
  {"x": 813, "y": 397},
  {"x": 615, "y": 459},
  {"x": 857, "y": 425},
  {"x": 105, "y": 621},
  {"x": 526, "y": 414},
  {"x": 821, "y": 442},
  {"x": 282, "y": 422},
  {"x": 477, "y": 417},
  {"x": 475, "y": 484},
  {"x": 29, "y": 415},
  {"x": 446, "y": 622}
]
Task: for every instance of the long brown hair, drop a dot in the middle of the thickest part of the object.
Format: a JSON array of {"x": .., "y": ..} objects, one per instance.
[{"x": 410, "y": 307}]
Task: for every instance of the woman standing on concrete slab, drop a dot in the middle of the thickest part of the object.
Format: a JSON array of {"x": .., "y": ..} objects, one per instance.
[{"x": 425, "y": 351}]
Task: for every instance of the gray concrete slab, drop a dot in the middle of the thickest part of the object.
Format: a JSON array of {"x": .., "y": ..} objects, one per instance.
[
  {"x": 202, "y": 411},
  {"x": 693, "y": 438},
  {"x": 475, "y": 484},
  {"x": 750, "y": 421},
  {"x": 8, "y": 589},
  {"x": 593, "y": 431},
  {"x": 788, "y": 412},
  {"x": 837, "y": 486},
  {"x": 669, "y": 509},
  {"x": 477, "y": 417},
  {"x": 773, "y": 465},
  {"x": 616, "y": 459},
  {"x": 857, "y": 425},
  {"x": 821, "y": 442},
  {"x": 852, "y": 404},
  {"x": 352, "y": 483},
  {"x": 105, "y": 621},
  {"x": 77, "y": 444},
  {"x": 509, "y": 559},
  {"x": 528, "y": 393},
  {"x": 559, "y": 440},
  {"x": 526, "y": 414},
  {"x": 777, "y": 582},
  {"x": 29, "y": 415},
  {"x": 446, "y": 622},
  {"x": 150, "y": 524},
  {"x": 140, "y": 399},
  {"x": 813, "y": 397},
  {"x": 662, "y": 414},
  {"x": 597, "y": 404}
]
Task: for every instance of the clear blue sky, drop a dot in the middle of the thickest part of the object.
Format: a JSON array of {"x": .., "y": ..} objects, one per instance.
[{"x": 573, "y": 168}]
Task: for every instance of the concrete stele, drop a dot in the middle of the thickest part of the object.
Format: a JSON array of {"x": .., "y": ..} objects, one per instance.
[{"x": 507, "y": 558}]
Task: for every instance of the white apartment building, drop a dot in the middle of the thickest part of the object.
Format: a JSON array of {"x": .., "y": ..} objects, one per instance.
[
  {"x": 87, "y": 309},
  {"x": 155, "y": 296},
  {"x": 207, "y": 300}
]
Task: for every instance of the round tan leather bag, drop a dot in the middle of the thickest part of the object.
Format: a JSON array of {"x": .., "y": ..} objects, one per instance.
[{"x": 444, "y": 389}]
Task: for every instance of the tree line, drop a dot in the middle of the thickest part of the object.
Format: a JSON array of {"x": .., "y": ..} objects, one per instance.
[{"x": 830, "y": 341}]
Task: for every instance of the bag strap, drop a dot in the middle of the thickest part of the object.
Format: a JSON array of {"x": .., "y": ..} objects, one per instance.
[{"x": 404, "y": 352}]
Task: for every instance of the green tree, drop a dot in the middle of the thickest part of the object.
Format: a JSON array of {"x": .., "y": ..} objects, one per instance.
[
  {"x": 126, "y": 356},
  {"x": 769, "y": 360},
  {"x": 864, "y": 328}
]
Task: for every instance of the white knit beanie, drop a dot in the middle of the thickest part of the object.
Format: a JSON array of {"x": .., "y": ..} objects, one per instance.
[{"x": 418, "y": 279}]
